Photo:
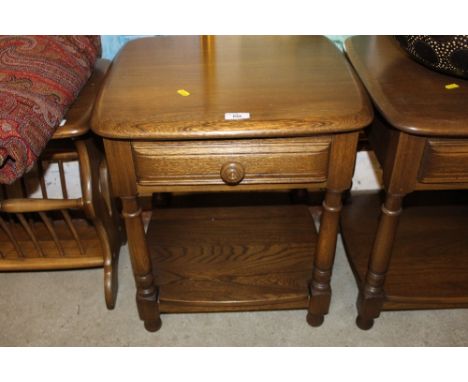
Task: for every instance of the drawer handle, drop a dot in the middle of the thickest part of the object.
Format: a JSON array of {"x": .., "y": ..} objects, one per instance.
[{"x": 232, "y": 173}]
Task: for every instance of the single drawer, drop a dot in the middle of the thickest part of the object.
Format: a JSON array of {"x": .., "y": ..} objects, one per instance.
[
  {"x": 444, "y": 161},
  {"x": 217, "y": 162}
]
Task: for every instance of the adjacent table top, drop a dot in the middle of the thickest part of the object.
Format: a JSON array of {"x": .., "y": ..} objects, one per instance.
[
  {"x": 411, "y": 97},
  {"x": 290, "y": 86}
]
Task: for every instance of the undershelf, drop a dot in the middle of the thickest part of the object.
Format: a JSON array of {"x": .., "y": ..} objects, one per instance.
[
  {"x": 232, "y": 258},
  {"x": 429, "y": 264}
]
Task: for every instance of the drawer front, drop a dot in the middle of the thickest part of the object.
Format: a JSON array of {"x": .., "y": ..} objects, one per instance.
[
  {"x": 260, "y": 161},
  {"x": 444, "y": 161}
]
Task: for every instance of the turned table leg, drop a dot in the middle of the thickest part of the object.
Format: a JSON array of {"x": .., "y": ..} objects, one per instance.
[
  {"x": 147, "y": 292},
  {"x": 340, "y": 172},
  {"x": 320, "y": 291},
  {"x": 372, "y": 295}
]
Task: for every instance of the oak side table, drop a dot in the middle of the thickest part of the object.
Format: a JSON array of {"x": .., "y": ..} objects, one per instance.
[
  {"x": 420, "y": 137},
  {"x": 205, "y": 114}
]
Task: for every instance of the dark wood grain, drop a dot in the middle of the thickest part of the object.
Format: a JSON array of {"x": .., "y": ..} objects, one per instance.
[
  {"x": 429, "y": 267},
  {"x": 419, "y": 137},
  {"x": 306, "y": 108},
  {"x": 232, "y": 258},
  {"x": 123, "y": 180},
  {"x": 291, "y": 86},
  {"x": 410, "y": 96},
  {"x": 445, "y": 161},
  {"x": 73, "y": 259},
  {"x": 264, "y": 161},
  {"x": 341, "y": 166}
]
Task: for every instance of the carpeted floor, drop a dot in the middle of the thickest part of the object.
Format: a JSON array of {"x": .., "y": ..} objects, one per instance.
[{"x": 67, "y": 309}]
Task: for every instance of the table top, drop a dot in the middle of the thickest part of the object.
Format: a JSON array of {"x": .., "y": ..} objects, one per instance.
[
  {"x": 290, "y": 86},
  {"x": 410, "y": 96}
]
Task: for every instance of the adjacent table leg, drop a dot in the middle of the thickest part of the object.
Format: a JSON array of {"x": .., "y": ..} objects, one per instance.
[
  {"x": 147, "y": 292},
  {"x": 372, "y": 295},
  {"x": 320, "y": 291},
  {"x": 122, "y": 174},
  {"x": 340, "y": 173}
]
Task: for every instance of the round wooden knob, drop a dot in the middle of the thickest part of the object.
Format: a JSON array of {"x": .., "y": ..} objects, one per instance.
[{"x": 232, "y": 173}]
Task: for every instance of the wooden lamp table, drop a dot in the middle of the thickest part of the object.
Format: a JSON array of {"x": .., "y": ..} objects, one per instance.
[
  {"x": 162, "y": 113},
  {"x": 418, "y": 260}
]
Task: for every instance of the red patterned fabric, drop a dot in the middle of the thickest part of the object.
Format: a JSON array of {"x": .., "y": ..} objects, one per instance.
[{"x": 40, "y": 77}]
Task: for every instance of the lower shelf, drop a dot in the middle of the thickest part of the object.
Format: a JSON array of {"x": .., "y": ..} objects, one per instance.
[
  {"x": 232, "y": 258},
  {"x": 429, "y": 264},
  {"x": 46, "y": 254}
]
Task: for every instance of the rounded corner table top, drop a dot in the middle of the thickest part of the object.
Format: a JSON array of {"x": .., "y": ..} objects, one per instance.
[
  {"x": 289, "y": 85},
  {"x": 410, "y": 96}
]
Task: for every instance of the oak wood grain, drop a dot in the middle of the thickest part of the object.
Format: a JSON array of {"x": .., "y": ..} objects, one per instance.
[
  {"x": 410, "y": 96},
  {"x": 429, "y": 267},
  {"x": 306, "y": 109},
  {"x": 419, "y": 136},
  {"x": 264, "y": 161},
  {"x": 74, "y": 258},
  {"x": 290, "y": 85},
  {"x": 341, "y": 166},
  {"x": 444, "y": 161},
  {"x": 37, "y": 205},
  {"x": 232, "y": 258}
]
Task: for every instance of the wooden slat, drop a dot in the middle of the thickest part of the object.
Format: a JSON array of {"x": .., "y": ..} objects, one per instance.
[
  {"x": 30, "y": 233},
  {"x": 58, "y": 155},
  {"x": 86, "y": 232},
  {"x": 52, "y": 232},
  {"x": 10, "y": 235},
  {"x": 40, "y": 169},
  {"x": 63, "y": 182},
  {"x": 71, "y": 227},
  {"x": 38, "y": 264},
  {"x": 38, "y": 205}
]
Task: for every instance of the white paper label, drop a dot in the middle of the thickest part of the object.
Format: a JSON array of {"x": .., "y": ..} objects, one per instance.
[{"x": 236, "y": 116}]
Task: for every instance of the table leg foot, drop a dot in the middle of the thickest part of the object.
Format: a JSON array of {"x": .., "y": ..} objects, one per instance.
[
  {"x": 369, "y": 305},
  {"x": 153, "y": 325},
  {"x": 315, "y": 320},
  {"x": 364, "y": 323}
]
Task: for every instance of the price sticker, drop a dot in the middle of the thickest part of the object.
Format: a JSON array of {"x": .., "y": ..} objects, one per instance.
[{"x": 236, "y": 116}]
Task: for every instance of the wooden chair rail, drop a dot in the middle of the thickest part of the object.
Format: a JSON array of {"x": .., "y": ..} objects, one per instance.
[{"x": 38, "y": 205}]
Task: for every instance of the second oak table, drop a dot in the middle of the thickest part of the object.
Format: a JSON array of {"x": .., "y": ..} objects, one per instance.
[
  {"x": 192, "y": 114},
  {"x": 409, "y": 254}
]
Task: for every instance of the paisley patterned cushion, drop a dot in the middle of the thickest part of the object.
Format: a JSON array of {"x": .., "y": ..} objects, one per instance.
[
  {"x": 40, "y": 77},
  {"x": 448, "y": 54}
]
